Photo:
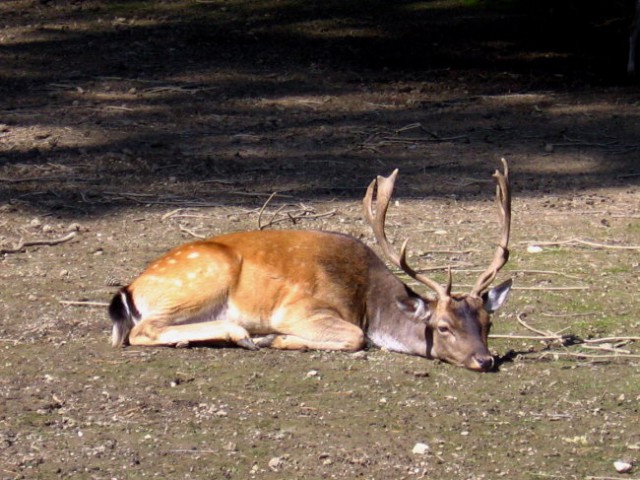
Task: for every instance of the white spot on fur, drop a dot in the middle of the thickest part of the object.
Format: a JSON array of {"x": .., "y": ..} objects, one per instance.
[
  {"x": 191, "y": 275},
  {"x": 177, "y": 282},
  {"x": 193, "y": 255},
  {"x": 172, "y": 261}
]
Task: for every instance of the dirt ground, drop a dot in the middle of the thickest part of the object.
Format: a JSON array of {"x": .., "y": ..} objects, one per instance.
[{"x": 127, "y": 128}]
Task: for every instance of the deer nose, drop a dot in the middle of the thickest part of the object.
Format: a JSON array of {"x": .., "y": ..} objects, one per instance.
[{"x": 484, "y": 362}]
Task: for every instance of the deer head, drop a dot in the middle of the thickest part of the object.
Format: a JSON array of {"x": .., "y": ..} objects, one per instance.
[{"x": 457, "y": 325}]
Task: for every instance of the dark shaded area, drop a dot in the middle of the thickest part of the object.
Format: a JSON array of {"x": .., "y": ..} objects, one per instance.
[{"x": 155, "y": 98}]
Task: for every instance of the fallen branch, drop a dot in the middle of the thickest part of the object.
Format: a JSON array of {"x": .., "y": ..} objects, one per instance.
[{"x": 32, "y": 243}]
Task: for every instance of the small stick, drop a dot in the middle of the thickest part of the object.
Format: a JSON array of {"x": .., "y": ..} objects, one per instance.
[
  {"x": 612, "y": 339},
  {"x": 82, "y": 303},
  {"x": 544, "y": 289},
  {"x": 192, "y": 451},
  {"x": 551, "y": 289},
  {"x": 565, "y": 315},
  {"x": 609, "y": 478},
  {"x": 521, "y": 321},
  {"x": 546, "y": 272},
  {"x": 31, "y": 243},
  {"x": 524, "y": 337},
  {"x": 264, "y": 205},
  {"x": 191, "y": 232},
  {"x": 171, "y": 213},
  {"x": 607, "y": 349},
  {"x": 583, "y": 242},
  {"x": 585, "y": 355}
]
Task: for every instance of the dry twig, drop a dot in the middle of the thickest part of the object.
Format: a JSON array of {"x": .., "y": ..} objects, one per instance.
[
  {"x": 579, "y": 241},
  {"x": 264, "y": 205},
  {"x": 82, "y": 303},
  {"x": 191, "y": 232},
  {"x": 612, "y": 345},
  {"x": 32, "y": 243}
]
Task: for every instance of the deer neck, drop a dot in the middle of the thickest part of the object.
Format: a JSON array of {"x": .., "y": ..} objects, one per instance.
[{"x": 388, "y": 326}]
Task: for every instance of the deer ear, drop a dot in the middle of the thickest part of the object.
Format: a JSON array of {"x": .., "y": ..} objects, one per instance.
[
  {"x": 414, "y": 307},
  {"x": 494, "y": 298}
]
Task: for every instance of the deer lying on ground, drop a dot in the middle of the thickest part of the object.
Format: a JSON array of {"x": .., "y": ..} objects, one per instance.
[{"x": 296, "y": 290}]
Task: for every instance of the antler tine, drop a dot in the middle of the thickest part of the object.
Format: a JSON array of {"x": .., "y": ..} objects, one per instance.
[
  {"x": 377, "y": 221},
  {"x": 501, "y": 256}
]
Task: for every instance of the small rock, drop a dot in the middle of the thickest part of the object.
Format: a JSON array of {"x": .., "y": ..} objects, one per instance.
[
  {"x": 534, "y": 249},
  {"x": 549, "y": 148},
  {"x": 276, "y": 463},
  {"x": 622, "y": 467},
  {"x": 420, "y": 448},
  {"x": 73, "y": 227},
  {"x": 359, "y": 355},
  {"x": 312, "y": 373},
  {"x": 35, "y": 223}
]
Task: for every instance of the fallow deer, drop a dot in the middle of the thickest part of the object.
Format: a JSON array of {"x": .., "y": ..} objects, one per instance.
[{"x": 301, "y": 289}]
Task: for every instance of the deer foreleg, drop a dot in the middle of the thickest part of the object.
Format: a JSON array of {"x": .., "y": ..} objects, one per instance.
[{"x": 320, "y": 331}]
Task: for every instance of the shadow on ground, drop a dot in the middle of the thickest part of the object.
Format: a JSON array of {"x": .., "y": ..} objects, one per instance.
[{"x": 198, "y": 100}]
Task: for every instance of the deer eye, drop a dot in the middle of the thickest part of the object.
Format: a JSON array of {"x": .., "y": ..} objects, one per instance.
[{"x": 443, "y": 329}]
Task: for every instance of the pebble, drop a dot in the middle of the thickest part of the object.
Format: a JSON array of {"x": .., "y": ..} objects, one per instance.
[
  {"x": 534, "y": 249},
  {"x": 275, "y": 463},
  {"x": 622, "y": 467},
  {"x": 420, "y": 448}
]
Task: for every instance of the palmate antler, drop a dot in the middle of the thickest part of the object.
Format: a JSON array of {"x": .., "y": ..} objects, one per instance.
[{"x": 377, "y": 222}]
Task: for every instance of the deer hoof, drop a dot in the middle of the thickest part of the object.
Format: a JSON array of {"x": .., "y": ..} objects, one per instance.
[{"x": 248, "y": 344}]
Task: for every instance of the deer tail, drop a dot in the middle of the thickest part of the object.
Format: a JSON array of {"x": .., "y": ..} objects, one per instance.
[{"x": 124, "y": 315}]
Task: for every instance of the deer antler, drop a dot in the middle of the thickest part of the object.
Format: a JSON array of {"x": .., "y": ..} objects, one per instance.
[
  {"x": 501, "y": 256},
  {"x": 377, "y": 221}
]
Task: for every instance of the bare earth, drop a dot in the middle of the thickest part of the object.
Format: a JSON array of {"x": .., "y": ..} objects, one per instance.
[{"x": 141, "y": 125}]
